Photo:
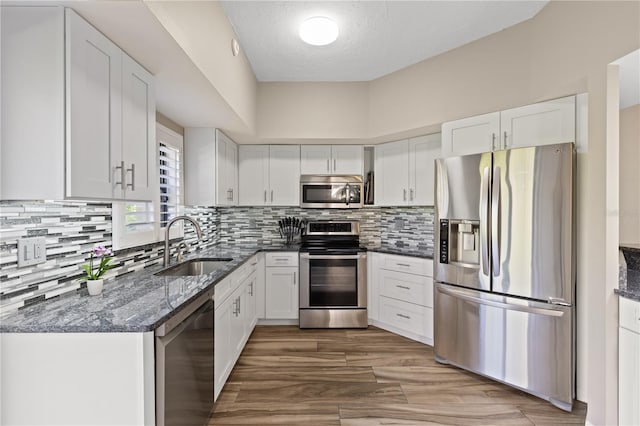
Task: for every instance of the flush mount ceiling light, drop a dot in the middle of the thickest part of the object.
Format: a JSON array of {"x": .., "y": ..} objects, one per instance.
[{"x": 319, "y": 31}]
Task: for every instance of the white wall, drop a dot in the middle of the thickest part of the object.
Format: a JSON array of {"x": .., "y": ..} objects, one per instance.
[{"x": 630, "y": 175}]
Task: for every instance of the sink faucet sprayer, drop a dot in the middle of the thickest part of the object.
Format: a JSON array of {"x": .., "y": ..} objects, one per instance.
[{"x": 167, "y": 254}]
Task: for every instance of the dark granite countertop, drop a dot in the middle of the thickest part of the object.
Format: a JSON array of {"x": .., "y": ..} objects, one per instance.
[
  {"x": 630, "y": 273},
  {"x": 403, "y": 251},
  {"x": 137, "y": 302}
]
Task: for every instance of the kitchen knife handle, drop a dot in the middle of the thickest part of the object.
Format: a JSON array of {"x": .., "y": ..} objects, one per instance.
[
  {"x": 495, "y": 221},
  {"x": 484, "y": 220}
]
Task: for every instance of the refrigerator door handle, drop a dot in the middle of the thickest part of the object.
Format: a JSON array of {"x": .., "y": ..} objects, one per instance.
[
  {"x": 484, "y": 222},
  {"x": 461, "y": 294},
  {"x": 495, "y": 221}
]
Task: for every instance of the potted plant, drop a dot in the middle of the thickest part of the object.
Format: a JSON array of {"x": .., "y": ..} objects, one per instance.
[{"x": 94, "y": 274}]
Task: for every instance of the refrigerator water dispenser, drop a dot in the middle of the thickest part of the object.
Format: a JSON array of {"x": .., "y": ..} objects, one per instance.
[{"x": 460, "y": 241}]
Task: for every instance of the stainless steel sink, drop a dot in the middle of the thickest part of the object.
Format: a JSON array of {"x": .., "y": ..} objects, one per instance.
[{"x": 194, "y": 267}]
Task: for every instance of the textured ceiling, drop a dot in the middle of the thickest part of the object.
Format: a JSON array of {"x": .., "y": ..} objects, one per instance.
[{"x": 376, "y": 37}]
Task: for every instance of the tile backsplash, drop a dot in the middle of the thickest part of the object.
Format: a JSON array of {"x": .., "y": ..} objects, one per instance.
[{"x": 72, "y": 229}]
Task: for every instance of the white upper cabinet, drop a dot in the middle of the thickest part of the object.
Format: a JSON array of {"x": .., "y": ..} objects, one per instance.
[
  {"x": 94, "y": 127},
  {"x": 78, "y": 114},
  {"x": 405, "y": 170},
  {"x": 284, "y": 175},
  {"x": 392, "y": 177},
  {"x": 210, "y": 168},
  {"x": 542, "y": 123},
  {"x": 471, "y": 135},
  {"x": 138, "y": 126},
  {"x": 253, "y": 175},
  {"x": 423, "y": 151},
  {"x": 269, "y": 175},
  {"x": 227, "y": 170},
  {"x": 331, "y": 159}
]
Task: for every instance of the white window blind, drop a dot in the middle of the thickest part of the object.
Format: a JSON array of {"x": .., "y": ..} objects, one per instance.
[{"x": 170, "y": 182}]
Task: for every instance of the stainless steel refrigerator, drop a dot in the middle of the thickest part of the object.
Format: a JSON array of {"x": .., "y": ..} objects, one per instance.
[{"x": 505, "y": 269}]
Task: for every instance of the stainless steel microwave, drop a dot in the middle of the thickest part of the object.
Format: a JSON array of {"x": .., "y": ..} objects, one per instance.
[{"x": 331, "y": 191}]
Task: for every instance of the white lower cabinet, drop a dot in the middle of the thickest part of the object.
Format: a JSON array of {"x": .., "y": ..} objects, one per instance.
[
  {"x": 629, "y": 363},
  {"x": 235, "y": 318},
  {"x": 401, "y": 295},
  {"x": 281, "y": 285}
]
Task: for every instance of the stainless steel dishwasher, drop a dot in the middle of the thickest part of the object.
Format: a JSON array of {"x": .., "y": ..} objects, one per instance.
[{"x": 184, "y": 365}]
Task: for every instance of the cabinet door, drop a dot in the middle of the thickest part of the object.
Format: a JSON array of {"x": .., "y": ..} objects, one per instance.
[
  {"x": 200, "y": 166},
  {"x": 543, "y": 123},
  {"x": 629, "y": 377},
  {"x": 237, "y": 323},
  {"x": 253, "y": 175},
  {"x": 249, "y": 307},
  {"x": 392, "y": 178},
  {"x": 93, "y": 112},
  {"x": 315, "y": 159},
  {"x": 284, "y": 175},
  {"x": 281, "y": 295},
  {"x": 260, "y": 285},
  {"x": 139, "y": 151},
  {"x": 471, "y": 135},
  {"x": 226, "y": 170},
  {"x": 422, "y": 153},
  {"x": 223, "y": 361},
  {"x": 347, "y": 159}
]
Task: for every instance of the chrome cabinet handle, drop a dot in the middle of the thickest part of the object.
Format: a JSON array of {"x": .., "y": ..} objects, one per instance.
[
  {"x": 328, "y": 169},
  {"x": 493, "y": 141},
  {"x": 404, "y": 194},
  {"x": 334, "y": 165},
  {"x": 402, "y": 287},
  {"x": 229, "y": 194},
  {"x": 265, "y": 195},
  {"x": 123, "y": 173},
  {"x": 294, "y": 278},
  {"x": 406, "y": 265},
  {"x": 403, "y": 316},
  {"x": 239, "y": 310},
  {"x": 251, "y": 287},
  {"x": 133, "y": 176},
  {"x": 411, "y": 194},
  {"x": 505, "y": 138}
]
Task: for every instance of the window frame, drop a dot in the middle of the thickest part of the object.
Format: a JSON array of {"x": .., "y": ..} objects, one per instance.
[{"x": 123, "y": 239}]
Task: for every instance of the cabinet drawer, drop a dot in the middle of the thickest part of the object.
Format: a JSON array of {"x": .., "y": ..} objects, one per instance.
[
  {"x": 407, "y": 316},
  {"x": 411, "y": 288},
  {"x": 630, "y": 314},
  {"x": 411, "y": 265},
  {"x": 282, "y": 259}
]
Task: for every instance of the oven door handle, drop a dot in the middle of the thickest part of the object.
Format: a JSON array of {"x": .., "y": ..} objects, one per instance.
[{"x": 333, "y": 256}]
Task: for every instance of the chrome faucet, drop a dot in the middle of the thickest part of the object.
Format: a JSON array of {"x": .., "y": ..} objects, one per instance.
[{"x": 167, "y": 254}]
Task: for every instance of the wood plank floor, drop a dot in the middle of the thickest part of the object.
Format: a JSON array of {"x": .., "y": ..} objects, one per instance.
[{"x": 366, "y": 377}]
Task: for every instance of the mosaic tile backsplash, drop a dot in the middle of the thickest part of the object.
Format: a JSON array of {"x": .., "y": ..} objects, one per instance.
[{"x": 72, "y": 229}]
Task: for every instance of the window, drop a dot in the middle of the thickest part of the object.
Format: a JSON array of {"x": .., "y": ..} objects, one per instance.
[{"x": 138, "y": 223}]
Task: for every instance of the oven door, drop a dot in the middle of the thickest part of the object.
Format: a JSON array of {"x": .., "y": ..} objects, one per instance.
[
  {"x": 333, "y": 281},
  {"x": 331, "y": 195}
]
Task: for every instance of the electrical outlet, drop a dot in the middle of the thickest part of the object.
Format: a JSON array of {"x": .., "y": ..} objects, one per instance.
[{"x": 31, "y": 251}]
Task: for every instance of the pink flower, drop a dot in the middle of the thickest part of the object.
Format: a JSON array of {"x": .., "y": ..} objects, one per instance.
[{"x": 100, "y": 251}]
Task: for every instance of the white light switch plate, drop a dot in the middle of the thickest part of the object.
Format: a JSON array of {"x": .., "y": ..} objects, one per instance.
[{"x": 31, "y": 251}]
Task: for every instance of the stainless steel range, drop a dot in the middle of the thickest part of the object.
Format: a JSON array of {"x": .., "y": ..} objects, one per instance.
[{"x": 333, "y": 276}]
